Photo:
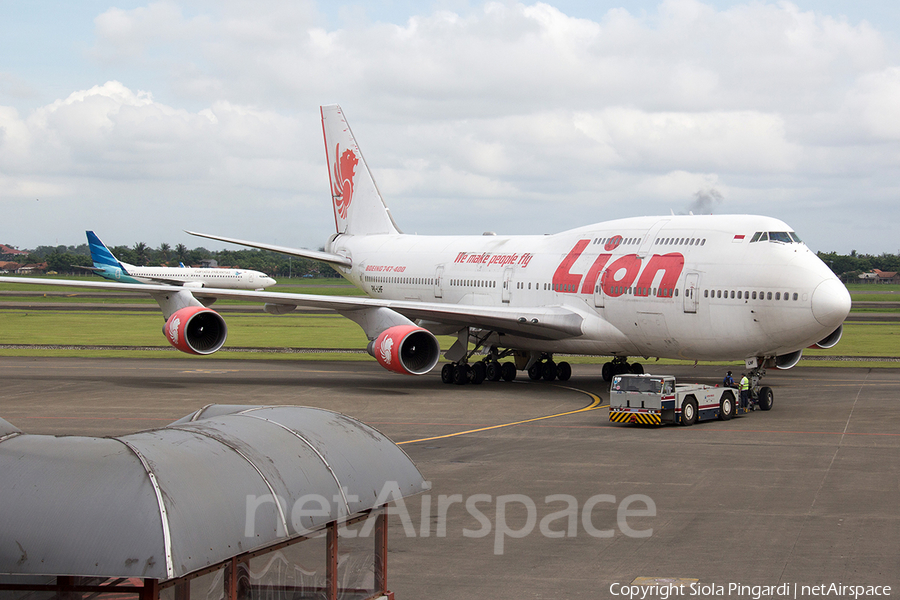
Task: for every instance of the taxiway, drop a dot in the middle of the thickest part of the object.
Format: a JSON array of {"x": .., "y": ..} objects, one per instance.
[{"x": 806, "y": 493}]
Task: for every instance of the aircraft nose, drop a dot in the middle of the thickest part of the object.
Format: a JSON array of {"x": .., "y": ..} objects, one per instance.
[{"x": 831, "y": 303}]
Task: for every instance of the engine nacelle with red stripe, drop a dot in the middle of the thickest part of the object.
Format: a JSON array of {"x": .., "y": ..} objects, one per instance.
[
  {"x": 406, "y": 349},
  {"x": 196, "y": 330}
]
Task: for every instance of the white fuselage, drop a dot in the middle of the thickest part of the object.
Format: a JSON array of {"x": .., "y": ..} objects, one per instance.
[
  {"x": 237, "y": 279},
  {"x": 691, "y": 287}
]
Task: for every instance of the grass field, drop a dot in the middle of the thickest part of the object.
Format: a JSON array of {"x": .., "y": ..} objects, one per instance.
[
  {"x": 291, "y": 331},
  {"x": 124, "y": 328}
]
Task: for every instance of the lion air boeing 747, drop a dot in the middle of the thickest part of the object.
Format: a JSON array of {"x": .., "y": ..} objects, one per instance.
[{"x": 729, "y": 287}]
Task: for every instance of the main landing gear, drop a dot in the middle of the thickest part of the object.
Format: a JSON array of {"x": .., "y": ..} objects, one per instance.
[
  {"x": 620, "y": 366},
  {"x": 479, "y": 372},
  {"x": 548, "y": 370},
  {"x": 492, "y": 369}
]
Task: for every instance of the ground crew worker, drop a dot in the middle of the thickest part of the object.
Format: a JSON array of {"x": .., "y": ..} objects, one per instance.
[
  {"x": 728, "y": 381},
  {"x": 745, "y": 391}
]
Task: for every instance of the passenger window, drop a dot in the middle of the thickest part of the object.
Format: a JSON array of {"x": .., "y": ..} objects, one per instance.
[
  {"x": 795, "y": 296},
  {"x": 754, "y": 295},
  {"x": 778, "y": 295},
  {"x": 769, "y": 296},
  {"x": 719, "y": 294},
  {"x": 706, "y": 293},
  {"x": 732, "y": 294}
]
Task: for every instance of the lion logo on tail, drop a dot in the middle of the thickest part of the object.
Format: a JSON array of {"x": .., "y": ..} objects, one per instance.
[{"x": 343, "y": 173}]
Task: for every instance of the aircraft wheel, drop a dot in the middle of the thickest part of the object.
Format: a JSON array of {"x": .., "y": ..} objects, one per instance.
[
  {"x": 564, "y": 371},
  {"x": 478, "y": 372},
  {"x": 493, "y": 372},
  {"x": 607, "y": 372},
  {"x": 689, "y": 411},
  {"x": 461, "y": 375},
  {"x": 726, "y": 406},
  {"x": 765, "y": 399},
  {"x": 535, "y": 371},
  {"x": 549, "y": 371},
  {"x": 637, "y": 369},
  {"x": 447, "y": 373},
  {"x": 508, "y": 371}
]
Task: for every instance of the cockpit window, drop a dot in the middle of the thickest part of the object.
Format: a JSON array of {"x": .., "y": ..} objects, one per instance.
[
  {"x": 780, "y": 236},
  {"x": 784, "y": 237}
]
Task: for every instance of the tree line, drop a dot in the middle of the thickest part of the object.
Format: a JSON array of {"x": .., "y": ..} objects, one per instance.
[
  {"x": 67, "y": 259},
  {"x": 850, "y": 266}
]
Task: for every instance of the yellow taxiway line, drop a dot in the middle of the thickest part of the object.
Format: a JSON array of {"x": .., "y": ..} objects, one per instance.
[{"x": 595, "y": 404}]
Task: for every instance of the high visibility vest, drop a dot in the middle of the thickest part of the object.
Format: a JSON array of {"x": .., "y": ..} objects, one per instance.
[{"x": 745, "y": 384}]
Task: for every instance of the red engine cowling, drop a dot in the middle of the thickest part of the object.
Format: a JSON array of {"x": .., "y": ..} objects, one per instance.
[
  {"x": 196, "y": 330},
  {"x": 406, "y": 349}
]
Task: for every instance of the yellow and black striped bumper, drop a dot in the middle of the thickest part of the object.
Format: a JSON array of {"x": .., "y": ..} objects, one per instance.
[{"x": 626, "y": 416}]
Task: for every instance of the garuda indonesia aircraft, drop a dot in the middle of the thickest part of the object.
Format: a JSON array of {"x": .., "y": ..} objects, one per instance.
[
  {"x": 730, "y": 287},
  {"x": 106, "y": 265}
]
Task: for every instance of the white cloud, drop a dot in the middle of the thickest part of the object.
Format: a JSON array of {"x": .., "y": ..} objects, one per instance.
[{"x": 489, "y": 116}]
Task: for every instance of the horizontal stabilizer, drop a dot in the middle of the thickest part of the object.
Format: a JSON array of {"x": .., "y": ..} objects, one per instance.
[{"x": 326, "y": 257}]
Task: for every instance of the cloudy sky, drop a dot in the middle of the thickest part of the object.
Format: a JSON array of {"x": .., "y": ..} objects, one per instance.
[{"x": 138, "y": 119}]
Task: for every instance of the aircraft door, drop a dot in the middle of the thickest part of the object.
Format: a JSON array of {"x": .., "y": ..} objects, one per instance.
[
  {"x": 691, "y": 292},
  {"x": 438, "y": 281},
  {"x": 507, "y": 284},
  {"x": 598, "y": 291}
]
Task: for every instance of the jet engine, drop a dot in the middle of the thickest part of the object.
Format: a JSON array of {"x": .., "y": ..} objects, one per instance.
[
  {"x": 786, "y": 361},
  {"x": 831, "y": 341},
  {"x": 406, "y": 349},
  {"x": 196, "y": 330}
]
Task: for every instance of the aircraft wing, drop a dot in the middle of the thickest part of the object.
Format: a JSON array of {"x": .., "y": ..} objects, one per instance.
[
  {"x": 549, "y": 322},
  {"x": 326, "y": 257}
]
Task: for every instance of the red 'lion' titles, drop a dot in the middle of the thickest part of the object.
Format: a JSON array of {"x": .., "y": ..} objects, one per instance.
[{"x": 620, "y": 275}]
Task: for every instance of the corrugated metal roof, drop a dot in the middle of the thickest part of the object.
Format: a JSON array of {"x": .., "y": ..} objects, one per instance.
[{"x": 165, "y": 502}]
